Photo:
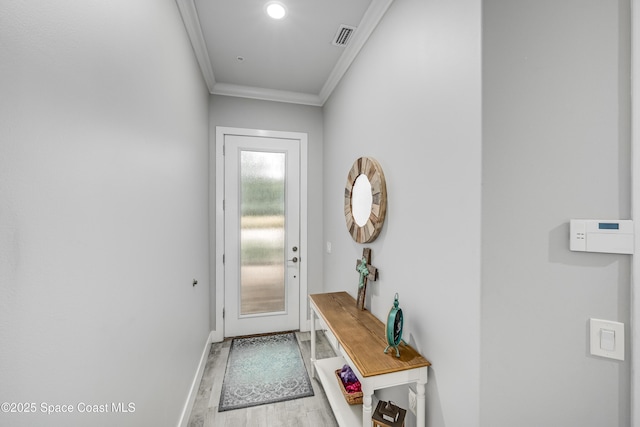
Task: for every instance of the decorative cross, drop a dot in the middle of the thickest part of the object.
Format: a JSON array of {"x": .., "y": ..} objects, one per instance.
[{"x": 367, "y": 272}]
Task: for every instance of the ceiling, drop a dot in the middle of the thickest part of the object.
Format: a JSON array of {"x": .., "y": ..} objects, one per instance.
[{"x": 243, "y": 52}]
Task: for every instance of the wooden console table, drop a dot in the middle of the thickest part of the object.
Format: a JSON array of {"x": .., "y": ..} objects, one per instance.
[{"x": 361, "y": 340}]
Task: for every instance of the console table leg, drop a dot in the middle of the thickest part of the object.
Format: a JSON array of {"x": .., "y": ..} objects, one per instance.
[
  {"x": 421, "y": 405},
  {"x": 313, "y": 344},
  {"x": 367, "y": 409}
]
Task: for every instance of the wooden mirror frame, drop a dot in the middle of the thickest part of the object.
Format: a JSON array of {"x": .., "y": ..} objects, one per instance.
[{"x": 372, "y": 169}]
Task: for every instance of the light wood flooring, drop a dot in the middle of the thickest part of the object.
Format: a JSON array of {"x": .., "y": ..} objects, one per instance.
[{"x": 311, "y": 411}]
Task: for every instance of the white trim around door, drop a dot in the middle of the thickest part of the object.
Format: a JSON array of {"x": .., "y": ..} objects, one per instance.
[{"x": 216, "y": 193}]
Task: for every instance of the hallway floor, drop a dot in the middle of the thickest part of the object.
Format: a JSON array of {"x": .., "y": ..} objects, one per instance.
[{"x": 305, "y": 412}]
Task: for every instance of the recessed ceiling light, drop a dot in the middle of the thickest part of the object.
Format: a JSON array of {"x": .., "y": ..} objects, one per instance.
[{"x": 276, "y": 10}]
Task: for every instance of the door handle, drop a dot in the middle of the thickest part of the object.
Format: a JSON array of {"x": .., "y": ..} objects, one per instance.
[{"x": 294, "y": 259}]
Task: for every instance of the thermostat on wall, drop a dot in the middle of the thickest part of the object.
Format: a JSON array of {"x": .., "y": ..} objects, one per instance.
[{"x": 597, "y": 235}]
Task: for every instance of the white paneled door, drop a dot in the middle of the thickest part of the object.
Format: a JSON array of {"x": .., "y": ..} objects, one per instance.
[{"x": 261, "y": 234}]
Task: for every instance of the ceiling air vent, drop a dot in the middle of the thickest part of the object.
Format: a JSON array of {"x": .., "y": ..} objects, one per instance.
[{"x": 343, "y": 35}]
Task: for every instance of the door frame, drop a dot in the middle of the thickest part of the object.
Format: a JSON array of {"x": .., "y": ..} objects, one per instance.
[{"x": 217, "y": 232}]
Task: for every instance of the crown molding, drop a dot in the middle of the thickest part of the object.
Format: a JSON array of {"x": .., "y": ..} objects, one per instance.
[
  {"x": 367, "y": 25},
  {"x": 266, "y": 94},
  {"x": 194, "y": 31}
]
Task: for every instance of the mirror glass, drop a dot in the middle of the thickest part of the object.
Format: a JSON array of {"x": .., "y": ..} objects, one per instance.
[{"x": 361, "y": 200}]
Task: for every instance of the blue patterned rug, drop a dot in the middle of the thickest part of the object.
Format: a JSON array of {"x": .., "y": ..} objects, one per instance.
[{"x": 264, "y": 369}]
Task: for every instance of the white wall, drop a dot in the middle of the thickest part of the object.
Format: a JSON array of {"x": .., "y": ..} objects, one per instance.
[
  {"x": 103, "y": 210},
  {"x": 412, "y": 101},
  {"x": 267, "y": 115},
  {"x": 555, "y": 146},
  {"x": 634, "y": 336}
]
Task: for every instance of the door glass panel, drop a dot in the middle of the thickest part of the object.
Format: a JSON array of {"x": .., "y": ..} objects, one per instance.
[{"x": 262, "y": 251}]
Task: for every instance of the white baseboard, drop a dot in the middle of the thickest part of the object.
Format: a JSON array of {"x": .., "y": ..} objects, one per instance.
[
  {"x": 217, "y": 336},
  {"x": 191, "y": 398}
]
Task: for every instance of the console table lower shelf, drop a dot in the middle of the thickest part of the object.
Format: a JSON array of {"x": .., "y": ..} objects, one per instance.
[
  {"x": 361, "y": 340},
  {"x": 345, "y": 414}
]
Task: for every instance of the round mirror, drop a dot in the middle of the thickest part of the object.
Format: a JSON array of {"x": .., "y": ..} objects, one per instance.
[{"x": 365, "y": 200}]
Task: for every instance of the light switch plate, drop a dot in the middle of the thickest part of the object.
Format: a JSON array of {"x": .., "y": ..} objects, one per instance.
[{"x": 607, "y": 338}]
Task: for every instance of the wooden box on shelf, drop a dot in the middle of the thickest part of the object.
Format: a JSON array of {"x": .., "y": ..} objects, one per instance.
[
  {"x": 351, "y": 398},
  {"x": 378, "y": 418}
]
